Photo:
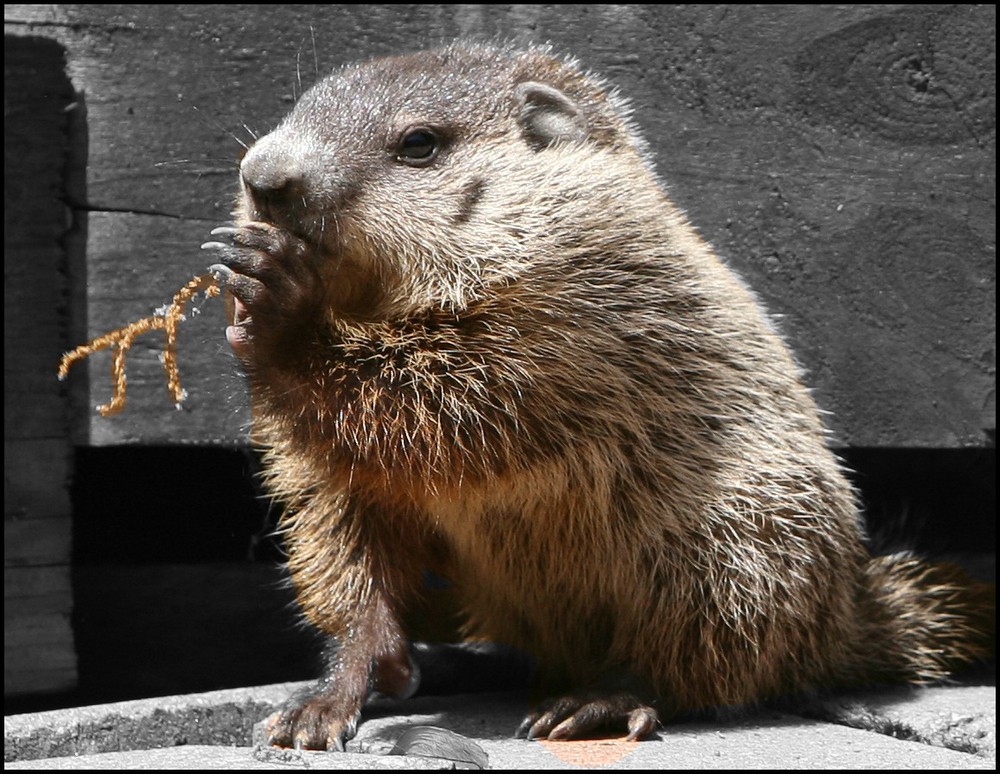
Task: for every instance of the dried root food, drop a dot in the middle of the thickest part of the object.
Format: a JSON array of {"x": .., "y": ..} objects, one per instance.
[{"x": 120, "y": 340}]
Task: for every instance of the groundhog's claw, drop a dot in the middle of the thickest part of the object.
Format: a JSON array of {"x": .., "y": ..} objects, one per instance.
[
  {"x": 317, "y": 724},
  {"x": 272, "y": 282},
  {"x": 574, "y": 717}
]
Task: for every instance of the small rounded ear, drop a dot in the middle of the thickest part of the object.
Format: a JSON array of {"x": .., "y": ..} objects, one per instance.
[{"x": 548, "y": 116}]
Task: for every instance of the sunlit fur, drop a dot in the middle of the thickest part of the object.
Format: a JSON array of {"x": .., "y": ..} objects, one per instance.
[{"x": 553, "y": 390}]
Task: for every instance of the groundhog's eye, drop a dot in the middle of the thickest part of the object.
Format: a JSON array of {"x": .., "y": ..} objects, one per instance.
[{"x": 418, "y": 146}]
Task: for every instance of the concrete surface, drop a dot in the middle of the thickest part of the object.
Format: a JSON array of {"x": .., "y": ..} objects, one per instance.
[{"x": 935, "y": 728}]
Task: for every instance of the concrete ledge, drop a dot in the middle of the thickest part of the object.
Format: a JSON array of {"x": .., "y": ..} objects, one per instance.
[
  {"x": 215, "y": 718},
  {"x": 214, "y": 731}
]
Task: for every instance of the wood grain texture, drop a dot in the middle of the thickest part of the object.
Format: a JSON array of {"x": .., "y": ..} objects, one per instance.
[
  {"x": 38, "y": 640},
  {"x": 39, "y": 656},
  {"x": 842, "y": 158}
]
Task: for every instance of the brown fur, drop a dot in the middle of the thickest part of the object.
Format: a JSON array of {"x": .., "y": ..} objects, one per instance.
[{"x": 522, "y": 361}]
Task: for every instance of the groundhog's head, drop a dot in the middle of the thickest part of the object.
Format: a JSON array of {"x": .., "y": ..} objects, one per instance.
[{"x": 429, "y": 180}]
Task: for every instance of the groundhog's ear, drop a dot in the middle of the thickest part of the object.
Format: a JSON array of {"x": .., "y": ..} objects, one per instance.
[{"x": 548, "y": 116}]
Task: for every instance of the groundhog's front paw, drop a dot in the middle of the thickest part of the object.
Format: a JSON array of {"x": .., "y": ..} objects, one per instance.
[
  {"x": 575, "y": 717},
  {"x": 271, "y": 278},
  {"x": 320, "y": 722}
]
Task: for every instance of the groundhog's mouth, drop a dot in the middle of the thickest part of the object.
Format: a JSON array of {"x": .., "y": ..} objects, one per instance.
[{"x": 237, "y": 334}]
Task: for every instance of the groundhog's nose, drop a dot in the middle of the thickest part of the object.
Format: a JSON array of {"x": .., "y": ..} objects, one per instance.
[{"x": 272, "y": 176}]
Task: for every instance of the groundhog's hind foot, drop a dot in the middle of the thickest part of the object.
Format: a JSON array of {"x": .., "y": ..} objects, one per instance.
[
  {"x": 318, "y": 723},
  {"x": 575, "y": 717}
]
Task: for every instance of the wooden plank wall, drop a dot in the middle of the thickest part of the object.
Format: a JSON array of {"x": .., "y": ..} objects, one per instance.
[
  {"x": 38, "y": 640},
  {"x": 841, "y": 157}
]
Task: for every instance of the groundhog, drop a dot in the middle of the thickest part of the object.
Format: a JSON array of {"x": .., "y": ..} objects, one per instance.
[{"x": 482, "y": 341}]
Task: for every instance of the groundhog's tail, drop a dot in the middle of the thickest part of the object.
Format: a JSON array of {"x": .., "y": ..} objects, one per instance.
[{"x": 924, "y": 621}]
